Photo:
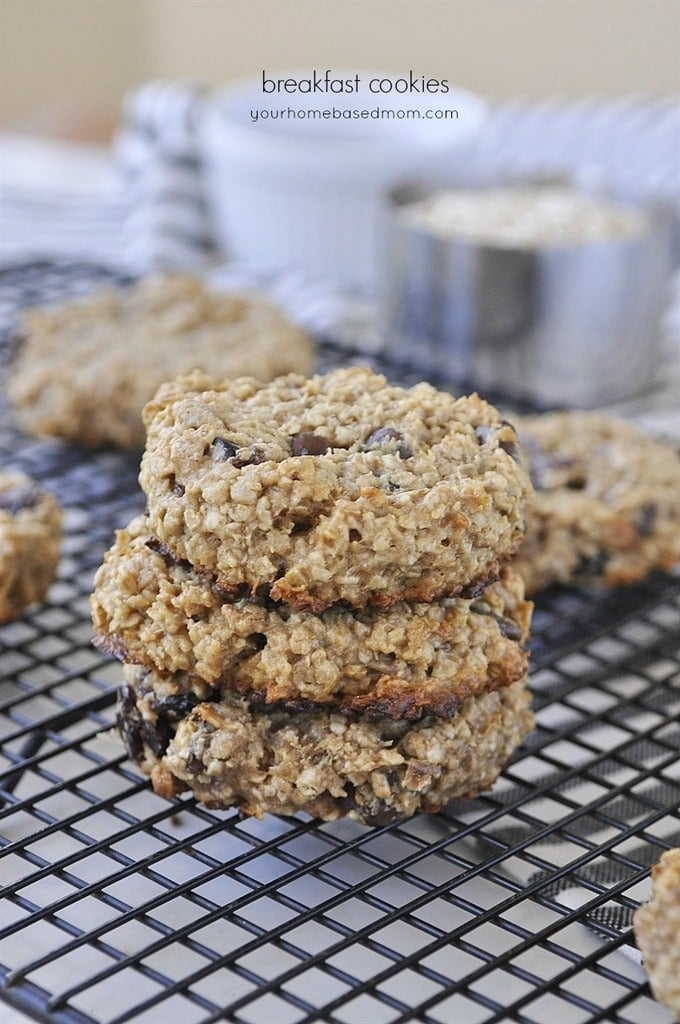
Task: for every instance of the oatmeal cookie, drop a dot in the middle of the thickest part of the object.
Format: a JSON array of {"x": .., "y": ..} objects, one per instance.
[
  {"x": 84, "y": 370},
  {"x": 408, "y": 660},
  {"x": 657, "y": 930},
  {"x": 606, "y": 504},
  {"x": 232, "y": 753},
  {"x": 334, "y": 488},
  {"x": 30, "y": 534}
]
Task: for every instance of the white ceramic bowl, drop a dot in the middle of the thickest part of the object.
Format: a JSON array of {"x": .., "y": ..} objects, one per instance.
[{"x": 310, "y": 193}]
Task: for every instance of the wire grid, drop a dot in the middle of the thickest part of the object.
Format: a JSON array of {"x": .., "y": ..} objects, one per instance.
[{"x": 117, "y": 905}]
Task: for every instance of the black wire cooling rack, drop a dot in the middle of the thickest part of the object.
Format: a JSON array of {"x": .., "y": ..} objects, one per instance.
[{"x": 117, "y": 905}]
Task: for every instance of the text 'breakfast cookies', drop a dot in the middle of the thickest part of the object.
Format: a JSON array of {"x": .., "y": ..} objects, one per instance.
[{"x": 316, "y": 613}]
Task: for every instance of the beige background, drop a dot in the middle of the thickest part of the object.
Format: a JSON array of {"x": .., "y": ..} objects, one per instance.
[{"x": 70, "y": 59}]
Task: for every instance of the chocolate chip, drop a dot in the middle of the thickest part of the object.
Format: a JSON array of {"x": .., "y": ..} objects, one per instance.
[
  {"x": 302, "y": 526},
  {"x": 176, "y": 707},
  {"x": 257, "y": 640},
  {"x": 223, "y": 450},
  {"x": 484, "y": 432},
  {"x": 257, "y": 699},
  {"x": 15, "y": 340},
  {"x": 512, "y": 448},
  {"x": 384, "y": 434},
  {"x": 177, "y": 489},
  {"x": 254, "y": 458},
  {"x": 129, "y": 722},
  {"x": 372, "y": 811},
  {"x": 380, "y": 816},
  {"x": 592, "y": 565},
  {"x": 381, "y": 435},
  {"x": 154, "y": 544},
  {"x": 193, "y": 763},
  {"x": 157, "y": 735},
  {"x": 647, "y": 520},
  {"x": 15, "y": 499},
  {"x": 138, "y": 732},
  {"x": 307, "y": 443},
  {"x": 508, "y": 628},
  {"x": 543, "y": 464},
  {"x": 226, "y": 451},
  {"x": 477, "y": 587}
]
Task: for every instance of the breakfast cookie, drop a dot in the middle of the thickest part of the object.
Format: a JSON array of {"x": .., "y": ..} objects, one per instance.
[
  {"x": 657, "y": 931},
  {"x": 84, "y": 370},
  {"x": 606, "y": 504},
  {"x": 230, "y": 752},
  {"x": 30, "y": 533},
  {"x": 334, "y": 488},
  {"x": 405, "y": 661}
]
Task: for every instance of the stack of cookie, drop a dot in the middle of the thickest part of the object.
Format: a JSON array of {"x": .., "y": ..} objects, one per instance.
[{"x": 316, "y": 612}]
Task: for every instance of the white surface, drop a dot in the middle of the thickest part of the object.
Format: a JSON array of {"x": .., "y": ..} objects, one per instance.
[
  {"x": 59, "y": 200},
  {"x": 45, "y": 164},
  {"x": 10, "y": 1016}
]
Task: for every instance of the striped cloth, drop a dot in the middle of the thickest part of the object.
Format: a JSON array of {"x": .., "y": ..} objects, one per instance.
[
  {"x": 167, "y": 224},
  {"x": 629, "y": 144},
  {"x": 145, "y": 208}
]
